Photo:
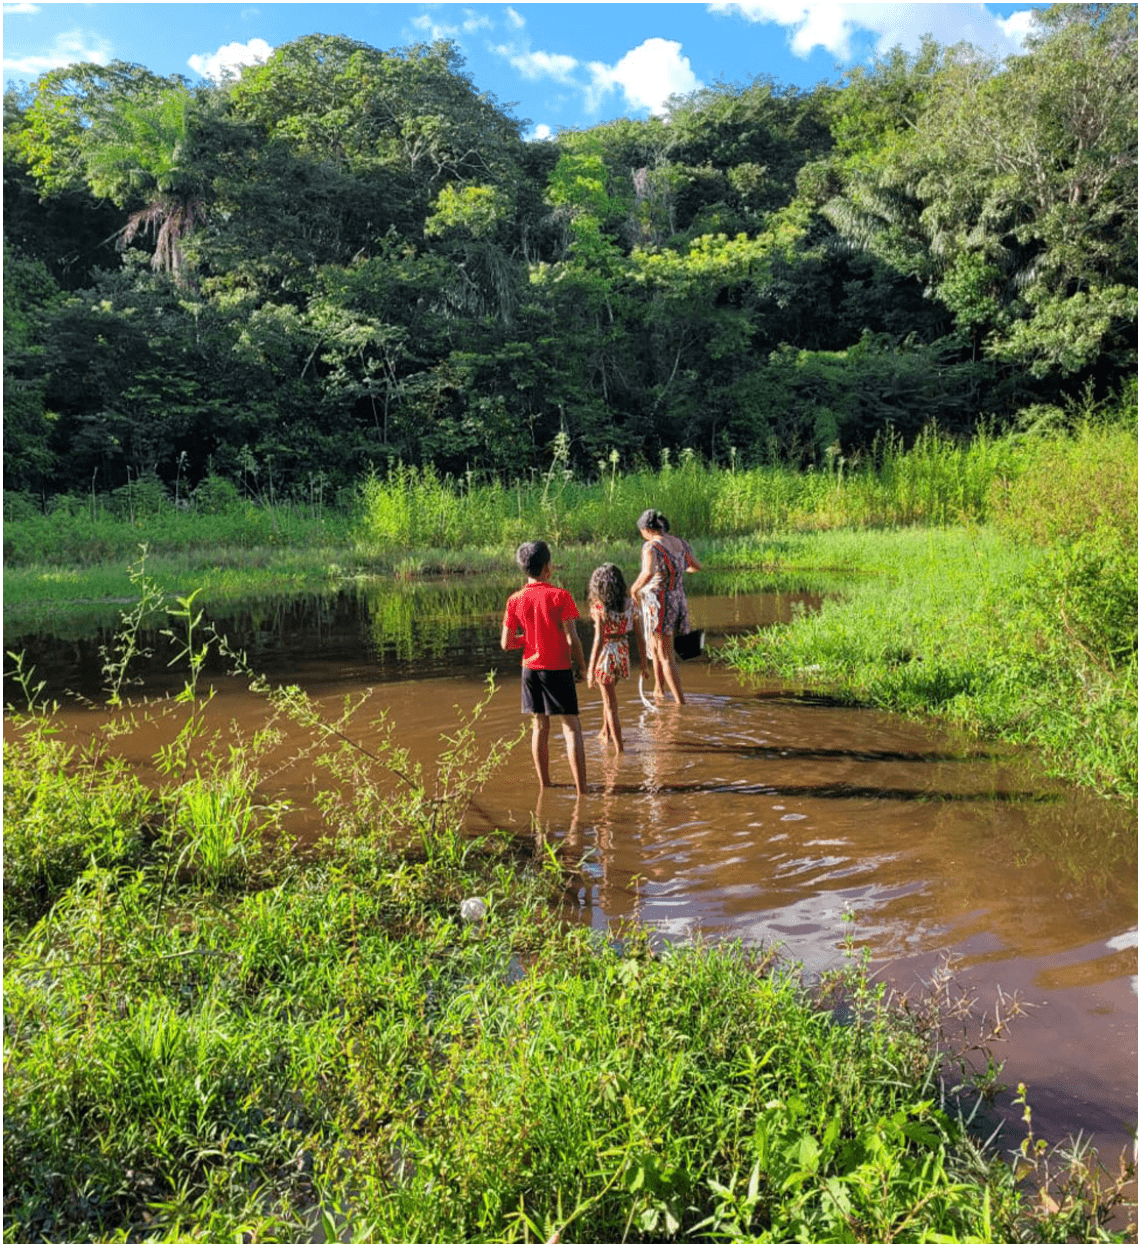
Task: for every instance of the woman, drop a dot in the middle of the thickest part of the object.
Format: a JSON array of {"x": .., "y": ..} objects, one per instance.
[{"x": 659, "y": 594}]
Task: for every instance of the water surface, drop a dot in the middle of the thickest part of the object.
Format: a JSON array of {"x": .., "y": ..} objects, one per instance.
[{"x": 750, "y": 813}]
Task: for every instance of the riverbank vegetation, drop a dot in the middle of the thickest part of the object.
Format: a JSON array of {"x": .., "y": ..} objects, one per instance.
[
  {"x": 995, "y": 581},
  {"x": 213, "y": 1033},
  {"x": 1025, "y": 628}
]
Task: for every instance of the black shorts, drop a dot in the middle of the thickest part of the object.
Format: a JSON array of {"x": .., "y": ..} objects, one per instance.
[{"x": 552, "y": 692}]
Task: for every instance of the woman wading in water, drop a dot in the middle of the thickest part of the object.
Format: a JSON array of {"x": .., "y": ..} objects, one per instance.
[{"x": 659, "y": 594}]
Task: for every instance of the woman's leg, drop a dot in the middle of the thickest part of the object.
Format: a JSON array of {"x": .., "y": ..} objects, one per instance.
[
  {"x": 612, "y": 715},
  {"x": 671, "y": 669},
  {"x": 656, "y": 656}
]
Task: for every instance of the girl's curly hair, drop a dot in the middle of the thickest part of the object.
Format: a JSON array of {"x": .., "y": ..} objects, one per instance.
[{"x": 607, "y": 588}]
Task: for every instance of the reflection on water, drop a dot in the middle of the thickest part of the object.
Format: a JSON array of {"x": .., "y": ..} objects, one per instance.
[
  {"x": 373, "y": 630},
  {"x": 752, "y": 813}
]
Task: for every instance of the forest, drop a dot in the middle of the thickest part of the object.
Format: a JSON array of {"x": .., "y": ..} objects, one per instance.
[{"x": 348, "y": 259}]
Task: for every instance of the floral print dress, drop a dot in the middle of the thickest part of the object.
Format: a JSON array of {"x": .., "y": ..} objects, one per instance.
[{"x": 612, "y": 660}]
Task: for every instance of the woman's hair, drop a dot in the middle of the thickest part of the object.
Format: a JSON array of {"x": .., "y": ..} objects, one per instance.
[
  {"x": 607, "y": 588},
  {"x": 652, "y": 520}
]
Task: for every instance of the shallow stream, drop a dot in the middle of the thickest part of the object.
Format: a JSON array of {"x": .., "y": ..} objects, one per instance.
[{"x": 750, "y": 813}]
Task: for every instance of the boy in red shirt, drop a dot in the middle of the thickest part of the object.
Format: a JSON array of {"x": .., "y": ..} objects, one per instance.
[{"x": 541, "y": 619}]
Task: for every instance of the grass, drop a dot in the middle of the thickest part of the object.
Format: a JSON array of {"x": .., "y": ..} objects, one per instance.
[
  {"x": 1031, "y": 645},
  {"x": 211, "y": 1034}
]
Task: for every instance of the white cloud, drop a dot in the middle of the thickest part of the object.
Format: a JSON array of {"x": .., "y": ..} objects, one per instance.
[
  {"x": 434, "y": 31},
  {"x": 228, "y": 61},
  {"x": 474, "y": 22},
  {"x": 647, "y": 75},
  {"x": 514, "y": 18},
  {"x": 1017, "y": 26},
  {"x": 832, "y": 26},
  {"x": 539, "y": 133},
  {"x": 69, "y": 47},
  {"x": 535, "y": 65},
  {"x": 20, "y": 6}
]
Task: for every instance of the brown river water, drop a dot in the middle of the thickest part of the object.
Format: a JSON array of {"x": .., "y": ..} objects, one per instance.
[{"x": 753, "y": 813}]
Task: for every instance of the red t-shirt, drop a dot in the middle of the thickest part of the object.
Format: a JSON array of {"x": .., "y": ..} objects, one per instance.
[{"x": 538, "y": 610}]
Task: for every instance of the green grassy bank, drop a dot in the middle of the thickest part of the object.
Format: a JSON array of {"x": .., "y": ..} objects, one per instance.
[
  {"x": 1025, "y": 628},
  {"x": 211, "y": 1035}
]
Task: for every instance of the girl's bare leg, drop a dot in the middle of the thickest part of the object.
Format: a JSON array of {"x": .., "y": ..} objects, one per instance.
[
  {"x": 657, "y": 659},
  {"x": 671, "y": 670},
  {"x": 612, "y": 714}
]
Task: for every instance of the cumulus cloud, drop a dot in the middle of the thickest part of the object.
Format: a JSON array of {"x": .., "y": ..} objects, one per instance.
[
  {"x": 539, "y": 133},
  {"x": 426, "y": 25},
  {"x": 535, "y": 65},
  {"x": 516, "y": 20},
  {"x": 475, "y": 21},
  {"x": 19, "y": 6},
  {"x": 647, "y": 75},
  {"x": 833, "y": 26},
  {"x": 1018, "y": 26},
  {"x": 228, "y": 61},
  {"x": 70, "y": 47}
]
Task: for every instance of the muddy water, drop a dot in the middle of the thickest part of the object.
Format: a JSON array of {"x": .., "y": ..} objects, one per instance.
[{"x": 756, "y": 814}]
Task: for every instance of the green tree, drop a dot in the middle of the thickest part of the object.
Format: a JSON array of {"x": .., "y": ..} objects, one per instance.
[{"x": 29, "y": 294}]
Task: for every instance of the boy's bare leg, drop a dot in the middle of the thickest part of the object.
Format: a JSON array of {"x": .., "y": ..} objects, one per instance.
[
  {"x": 540, "y": 745},
  {"x": 575, "y": 749}
]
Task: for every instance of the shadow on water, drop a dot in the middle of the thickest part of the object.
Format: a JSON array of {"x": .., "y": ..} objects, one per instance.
[{"x": 754, "y": 812}]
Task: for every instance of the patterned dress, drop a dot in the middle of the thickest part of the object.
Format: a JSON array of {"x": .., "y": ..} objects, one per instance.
[
  {"x": 612, "y": 660},
  {"x": 665, "y": 600}
]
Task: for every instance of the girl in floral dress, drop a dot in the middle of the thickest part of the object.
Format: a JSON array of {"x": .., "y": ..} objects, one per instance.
[{"x": 615, "y": 620}]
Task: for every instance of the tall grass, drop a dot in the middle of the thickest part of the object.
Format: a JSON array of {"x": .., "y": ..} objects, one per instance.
[
  {"x": 1026, "y": 628},
  {"x": 935, "y": 481}
]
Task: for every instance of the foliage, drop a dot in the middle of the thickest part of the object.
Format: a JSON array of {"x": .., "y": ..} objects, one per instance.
[
  {"x": 64, "y": 813},
  {"x": 1003, "y": 188},
  {"x": 357, "y": 262},
  {"x": 1034, "y": 644}
]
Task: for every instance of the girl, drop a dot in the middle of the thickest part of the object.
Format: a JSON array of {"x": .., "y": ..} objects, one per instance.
[
  {"x": 659, "y": 590},
  {"x": 615, "y": 618}
]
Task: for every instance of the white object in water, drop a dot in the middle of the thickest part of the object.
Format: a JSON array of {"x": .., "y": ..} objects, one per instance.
[
  {"x": 644, "y": 699},
  {"x": 473, "y": 910}
]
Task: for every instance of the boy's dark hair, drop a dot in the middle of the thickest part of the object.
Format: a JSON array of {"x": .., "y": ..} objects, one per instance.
[
  {"x": 652, "y": 520},
  {"x": 533, "y": 557},
  {"x": 607, "y": 586}
]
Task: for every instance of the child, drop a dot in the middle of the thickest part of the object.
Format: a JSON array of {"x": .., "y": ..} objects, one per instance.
[
  {"x": 541, "y": 619},
  {"x": 615, "y": 617}
]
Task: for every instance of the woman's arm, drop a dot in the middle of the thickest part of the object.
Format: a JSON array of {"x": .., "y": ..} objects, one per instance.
[
  {"x": 693, "y": 562},
  {"x": 641, "y": 643},
  {"x": 647, "y": 568}
]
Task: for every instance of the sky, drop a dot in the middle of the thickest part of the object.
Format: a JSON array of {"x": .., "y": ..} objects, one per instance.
[{"x": 557, "y": 65}]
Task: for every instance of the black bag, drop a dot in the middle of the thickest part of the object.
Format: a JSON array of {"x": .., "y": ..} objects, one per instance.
[{"x": 689, "y": 645}]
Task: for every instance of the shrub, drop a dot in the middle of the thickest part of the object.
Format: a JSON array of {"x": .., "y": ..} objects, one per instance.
[
  {"x": 140, "y": 498},
  {"x": 216, "y": 495}
]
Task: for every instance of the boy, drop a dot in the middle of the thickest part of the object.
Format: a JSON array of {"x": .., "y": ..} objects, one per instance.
[{"x": 541, "y": 619}]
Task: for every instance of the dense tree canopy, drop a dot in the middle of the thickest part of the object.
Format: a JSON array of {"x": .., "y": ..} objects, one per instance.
[{"x": 347, "y": 257}]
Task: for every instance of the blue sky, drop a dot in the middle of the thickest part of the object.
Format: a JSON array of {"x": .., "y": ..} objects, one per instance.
[{"x": 560, "y": 65}]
